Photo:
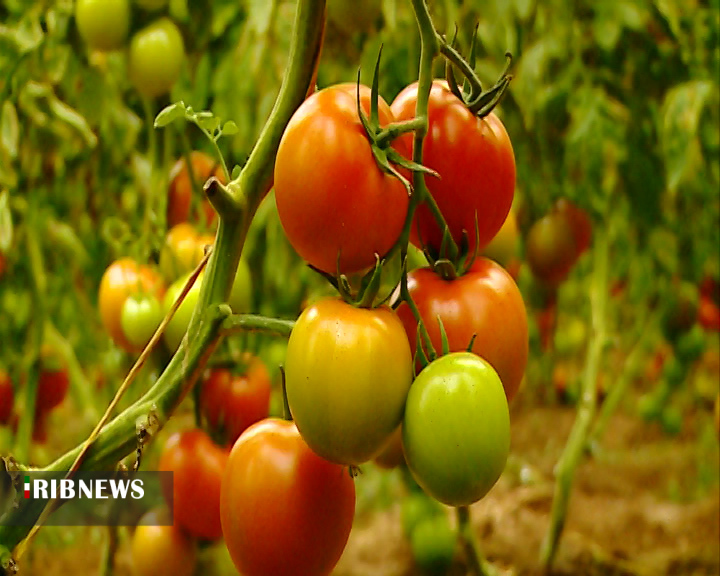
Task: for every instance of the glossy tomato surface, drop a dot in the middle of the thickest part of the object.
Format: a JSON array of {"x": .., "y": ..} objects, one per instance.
[
  {"x": 197, "y": 465},
  {"x": 347, "y": 371},
  {"x": 456, "y": 430},
  {"x": 485, "y": 303},
  {"x": 475, "y": 160},
  {"x": 284, "y": 509},
  {"x": 334, "y": 203}
]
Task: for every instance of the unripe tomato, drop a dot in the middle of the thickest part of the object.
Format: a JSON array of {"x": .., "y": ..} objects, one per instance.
[
  {"x": 233, "y": 402},
  {"x": 348, "y": 371},
  {"x": 161, "y": 550},
  {"x": 551, "y": 250},
  {"x": 123, "y": 278},
  {"x": 197, "y": 466},
  {"x": 7, "y": 395},
  {"x": 156, "y": 57},
  {"x": 141, "y": 315},
  {"x": 284, "y": 509},
  {"x": 416, "y": 508},
  {"x": 486, "y": 303},
  {"x": 476, "y": 163},
  {"x": 180, "y": 191},
  {"x": 433, "y": 543},
  {"x": 344, "y": 210},
  {"x": 103, "y": 24},
  {"x": 503, "y": 248},
  {"x": 179, "y": 253},
  {"x": 456, "y": 430}
]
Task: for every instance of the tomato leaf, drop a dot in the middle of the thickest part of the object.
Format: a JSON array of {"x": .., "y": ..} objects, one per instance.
[
  {"x": 10, "y": 130},
  {"x": 169, "y": 114},
  {"x": 6, "y": 225},
  {"x": 229, "y": 128}
]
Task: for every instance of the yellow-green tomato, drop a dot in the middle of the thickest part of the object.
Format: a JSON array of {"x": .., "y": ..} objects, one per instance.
[
  {"x": 140, "y": 317},
  {"x": 503, "y": 248},
  {"x": 103, "y": 24},
  {"x": 156, "y": 57},
  {"x": 456, "y": 430},
  {"x": 347, "y": 371},
  {"x": 161, "y": 550}
]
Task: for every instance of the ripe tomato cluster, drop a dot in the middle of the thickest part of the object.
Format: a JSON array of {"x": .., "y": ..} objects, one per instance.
[{"x": 156, "y": 53}]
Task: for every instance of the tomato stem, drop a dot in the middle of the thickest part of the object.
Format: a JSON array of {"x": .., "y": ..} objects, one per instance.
[
  {"x": 256, "y": 323},
  {"x": 476, "y": 563},
  {"x": 577, "y": 441}
]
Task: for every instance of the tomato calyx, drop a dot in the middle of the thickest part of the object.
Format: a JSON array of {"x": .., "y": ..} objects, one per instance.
[
  {"x": 480, "y": 102},
  {"x": 367, "y": 294},
  {"x": 452, "y": 260}
]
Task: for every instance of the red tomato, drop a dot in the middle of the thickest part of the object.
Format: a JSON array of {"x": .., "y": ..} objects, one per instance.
[
  {"x": 180, "y": 192},
  {"x": 475, "y": 160},
  {"x": 284, "y": 509},
  {"x": 579, "y": 221},
  {"x": 485, "y": 302},
  {"x": 709, "y": 314},
  {"x": 52, "y": 388},
  {"x": 232, "y": 402},
  {"x": 551, "y": 250},
  {"x": 123, "y": 278},
  {"x": 197, "y": 465},
  {"x": 7, "y": 394},
  {"x": 332, "y": 198}
]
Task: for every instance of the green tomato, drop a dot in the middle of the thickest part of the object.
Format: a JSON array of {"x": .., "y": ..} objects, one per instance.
[
  {"x": 151, "y": 5},
  {"x": 103, "y": 24},
  {"x": 241, "y": 293},
  {"x": 690, "y": 345},
  {"x": 140, "y": 317},
  {"x": 156, "y": 57},
  {"x": 433, "y": 544},
  {"x": 674, "y": 372},
  {"x": 416, "y": 508},
  {"x": 456, "y": 431}
]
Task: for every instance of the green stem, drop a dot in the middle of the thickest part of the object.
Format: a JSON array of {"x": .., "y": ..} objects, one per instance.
[
  {"x": 477, "y": 565},
  {"x": 577, "y": 440},
  {"x": 256, "y": 323},
  {"x": 396, "y": 129},
  {"x": 152, "y": 155},
  {"x": 456, "y": 58}
]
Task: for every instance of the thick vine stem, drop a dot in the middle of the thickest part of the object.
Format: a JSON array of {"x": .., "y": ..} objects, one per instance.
[
  {"x": 256, "y": 323},
  {"x": 577, "y": 441}
]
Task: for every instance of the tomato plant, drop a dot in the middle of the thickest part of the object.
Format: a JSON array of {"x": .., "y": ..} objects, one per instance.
[
  {"x": 456, "y": 430},
  {"x": 475, "y": 160},
  {"x": 156, "y": 57},
  {"x": 7, "y": 395},
  {"x": 484, "y": 303},
  {"x": 180, "y": 191},
  {"x": 123, "y": 278},
  {"x": 197, "y": 465},
  {"x": 345, "y": 210},
  {"x": 232, "y": 402},
  {"x": 161, "y": 550},
  {"x": 551, "y": 249},
  {"x": 348, "y": 371},
  {"x": 284, "y": 509},
  {"x": 103, "y": 24}
]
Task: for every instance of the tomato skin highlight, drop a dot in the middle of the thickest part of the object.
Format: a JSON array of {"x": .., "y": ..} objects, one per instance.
[
  {"x": 233, "y": 402},
  {"x": 197, "y": 465},
  {"x": 331, "y": 196},
  {"x": 347, "y": 372},
  {"x": 456, "y": 430},
  {"x": 484, "y": 302},
  {"x": 284, "y": 509},
  {"x": 476, "y": 164}
]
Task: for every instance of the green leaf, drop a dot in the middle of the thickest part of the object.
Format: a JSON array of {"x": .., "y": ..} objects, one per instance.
[
  {"x": 10, "y": 129},
  {"x": 207, "y": 121},
  {"x": 6, "y": 225},
  {"x": 169, "y": 114},
  {"x": 229, "y": 128}
]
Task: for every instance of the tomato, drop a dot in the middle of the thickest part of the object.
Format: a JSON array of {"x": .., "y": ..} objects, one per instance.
[
  {"x": 350, "y": 16},
  {"x": 140, "y": 317},
  {"x": 391, "y": 455},
  {"x": 103, "y": 24},
  {"x": 7, "y": 395},
  {"x": 123, "y": 278},
  {"x": 179, "y": 254},
  {"x": 284, "y": 509},
  {"x": 52, "y": 389},
  {"x": 579, "y": 221},
  {"x": 551, "y": 250},
  {"x": 456, "y": 430},
  {"x": 161, "y": 550},
  {"x": 232, "y": 402},
  {"x": 151, "y": 5},
  {"x": 345, "y": 206},
  {"x": 415, "y": 509},
  {"x": 475, "y": 160},
  {"x": 485, "y": 302},
  {"x": 180, "y": 191},
  {"x": 503, "y": 248},
  {"x": 197, "y": 465},
  {"x": 347, "y": 372},
  {"x": 156, "y": 57},
  {"x": 239, "y": 301},
  {"x": 433, "y": 544},
  {"x": 3, "y": 264},
  {"x": 709, "y": 314},
  {"x": 710, "y": 288}
]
